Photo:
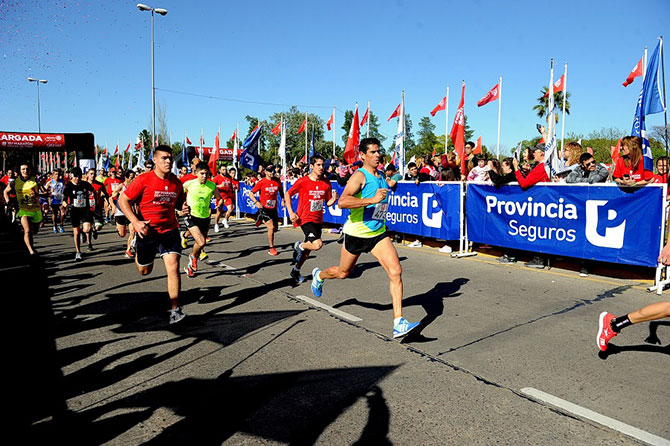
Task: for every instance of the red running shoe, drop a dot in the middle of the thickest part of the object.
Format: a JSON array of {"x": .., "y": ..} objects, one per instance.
[
  {"x": 189, "y": 272},
  {"x": 208, "y": 240},
  {"x": 129, "y": 254},
  {"x": 192, "y": 263},
  {"x": 605, "y": 332},
  {"x": 273, "y": 252}
]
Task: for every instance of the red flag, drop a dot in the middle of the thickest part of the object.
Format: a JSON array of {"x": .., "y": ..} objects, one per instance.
[
  {"x": 440, "y": 106},
  {"x": 330, "y": 120},
  {"x": 138, "y": 146},
  {"x": 202, "y": 141},
  {"x": 491, "y": 96},
  {"x": 637, "y": 71},
  {"x": 302, "y": 126},
  {"x": 188, "y": 141},
  {"x": 116, "y": 163},
  {"x": 365, "y": 117},
  {"x": 234, "y": 135},
  {"x": 214, "y": 155},
  {"x": 277, "y": 129},
  {"x": 351, "y": 149},
  {"x": 303, "y": 159},
  {"x": 559, "y": 85},
  {"x": 116, "y": 150},
  {"x": 458, "y": 131},
  {"x": 615, "y": 151},
  {"x": 127, "y": 148},
  {"x": 478, "y": 146},
  {"x": 395, "y": 113}
]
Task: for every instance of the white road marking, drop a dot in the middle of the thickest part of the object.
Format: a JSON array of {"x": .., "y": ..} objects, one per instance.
[
  {"x": 329, "y": 309},
  {"x": 598, "y": 418}
]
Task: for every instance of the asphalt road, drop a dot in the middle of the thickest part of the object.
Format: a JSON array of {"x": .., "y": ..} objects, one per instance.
[{"x": 254, "y": 363}]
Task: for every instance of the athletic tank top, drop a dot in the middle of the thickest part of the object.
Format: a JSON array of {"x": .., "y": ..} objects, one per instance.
[
  {"x": 118, "y": 212},
  {"x": 27, "y": 201},
  {"x": 368, "y": 221}
]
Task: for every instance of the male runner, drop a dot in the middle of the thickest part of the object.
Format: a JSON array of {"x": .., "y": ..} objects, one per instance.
[
  {"x": 313, "y": 191},
  {"x": 365, "y": 231},
  {"x": 158, "y": 194},
  {"x": 98, "y": 200},
  {"x": 224, "y": 183},
  {"x": 77, "y": 193},
  {"x": 267, "y": 204},
  {"x": 123, "y": 226},
  {"x": 109, "y": 186},
  {"x": 55, "y": 186},
  {"x": 199, "y": 194},
  {"x": 26, "y": 191}
]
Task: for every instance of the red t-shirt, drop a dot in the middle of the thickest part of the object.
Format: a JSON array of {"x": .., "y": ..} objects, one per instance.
[
  {"x": 661, "y": 178},
  {"x": 313, "y": 197},
  {"x": 96, "y": 198},
  {"x": 537, "y": 175},
  {"x": 225, "y": 185},
  {"x": 636, "y": 173},
  {"x": 157, "y": 199},
  {"x": 110, "y": 183},
  {"x": 188, "y": 176},
  {"x": 268, "y": 189}
]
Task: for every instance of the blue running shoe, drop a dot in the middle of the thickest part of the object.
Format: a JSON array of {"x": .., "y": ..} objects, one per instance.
[
  {"x": 402, "y": 327},
  {"x": 297, "y": 253},
  {"x": 317, "y": 285}
]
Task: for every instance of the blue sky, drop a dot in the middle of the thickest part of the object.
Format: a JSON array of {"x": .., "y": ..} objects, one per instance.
[{"x": 96, "y": 57}]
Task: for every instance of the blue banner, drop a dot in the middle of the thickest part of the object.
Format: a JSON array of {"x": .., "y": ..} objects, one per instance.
[{"x": 604, "y": 223}]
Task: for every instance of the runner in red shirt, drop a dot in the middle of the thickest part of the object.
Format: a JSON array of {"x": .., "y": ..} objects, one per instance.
[
  {"x": 267, "y": 204},
  {"x": 158, "y": 194},
  {"x": 184, "y": 178},
  {"x": 97, "y": 203},
  {"x": 313, "y": 192},
  {"x": 225, "y": 185},
  {"x": 110, "y": 182}
]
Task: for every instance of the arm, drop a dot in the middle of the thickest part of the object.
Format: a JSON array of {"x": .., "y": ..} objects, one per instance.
[
  {"x": 333, "y": 197},
  {"x": 599, "y": 176},
  {"x": 574, "y": 177},
  {"x": 534, "y": 177},
  {"x": 5, "y": 192},
  {"x": 218, "y": 197},
  {"x": 116, "y": 192},
  {"x": 354, "y": 186},
  {"x": 289, "y": 206}
]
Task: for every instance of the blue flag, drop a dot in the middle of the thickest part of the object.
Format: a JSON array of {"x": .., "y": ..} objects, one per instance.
[
  {"x": 312, "y": 151},
  {"x": 249, "y": 158},
  {"x": 184, "y": 156},
  {"x": 649, "y": 102},
  {"x": 107, "y": 163}
]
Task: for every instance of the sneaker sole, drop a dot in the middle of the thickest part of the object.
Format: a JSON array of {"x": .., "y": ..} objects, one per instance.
[
  {"x": 400, "y": 335},
  {"x": 601, "y": 319},
  {"x": 178, "y": 320}
]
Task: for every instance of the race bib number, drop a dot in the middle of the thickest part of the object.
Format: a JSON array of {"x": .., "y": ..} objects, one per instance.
[
  {"x": 79, "y": 202},
  {"x": 316, "y": 205},
  {"x": 380, "y": 211},
  {"x": 271, "y": 204}
]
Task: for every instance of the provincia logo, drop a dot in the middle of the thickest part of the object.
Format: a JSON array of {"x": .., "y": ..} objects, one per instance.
[{"x": 612, "y": 237}]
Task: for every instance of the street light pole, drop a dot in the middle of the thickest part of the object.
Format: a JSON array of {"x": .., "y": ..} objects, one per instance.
[
  {"x": 143, "y": 7},
  {"x": 38, "y": 82}
]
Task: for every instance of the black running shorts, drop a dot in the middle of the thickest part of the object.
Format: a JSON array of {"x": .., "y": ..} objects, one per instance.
[
  {"x": 359, "y": 245},
  {"x": 155, "y": 242}
]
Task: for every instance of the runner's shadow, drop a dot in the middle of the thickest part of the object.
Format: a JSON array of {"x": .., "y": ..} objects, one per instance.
[
  {"x": 244, "y": 295},
  {"x": 653, "y": 327},
  {"x": 613, "y": 349},
  {"x": 359, "y": 268}
]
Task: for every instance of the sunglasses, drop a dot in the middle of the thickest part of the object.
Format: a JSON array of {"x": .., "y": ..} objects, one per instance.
[{"x": 590, "y": 163}]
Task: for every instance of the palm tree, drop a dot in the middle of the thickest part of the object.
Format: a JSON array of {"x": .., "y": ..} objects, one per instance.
[{"x": 543, "y": 103}]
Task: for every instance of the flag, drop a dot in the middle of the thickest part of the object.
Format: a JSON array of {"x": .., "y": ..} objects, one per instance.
[
  {"x": 184, "y": 154},
  {"x": 138, "y": 146},
  {"x": 491, "y": 96},
  {"x": 302, "y": 126},
  {"x": 351, "y": 149},
  {"x": 440, "y": 106},
  {"x": 400, "y": 139},
  {"x": 649, "y": 102},
  {"x": 395, "y": 113},
  {"x": 188, "y": 141},
  {"x": 478, "y": 146},
  {"x": 330, "y": 120},
  {"x": 559, "y": 85},
  {"x": 282, "y": 143},
  {"x": 127, "y": 148},
  {"x": 365, "y": 116},
  {"x": 234, "y": 135},
  {"x": 312, "y": 151},
  {"x": 116, "y": 150},
  {"x": 249, "y": 157},
  {"x": 202, "y": 140},
  {"x": 614, "y": 150},
  {"x": 394, "y": 161},
  {"x": 457, "y": 134},
  {"x": 214, "y": 155},
  {"x": 637, "y": 71},
  {"x": 551, "y": 155},
  {"x": 277, "y": 129},
  {"x": 116, "y": 162},
  {"x": 140, "y": 159}
]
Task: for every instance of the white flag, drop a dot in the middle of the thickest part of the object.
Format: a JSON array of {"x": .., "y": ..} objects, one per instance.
[{"x": 551, "y": 156}]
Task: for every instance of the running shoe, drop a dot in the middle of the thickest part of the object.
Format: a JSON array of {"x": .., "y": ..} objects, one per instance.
[
  {"x": 182, "y": 236},
  {"x": 95, "y": 234},
  {"x": 176, "y": 315},
  {"x": 403, "y": 327},
  {"x": 506, "y": 259},
  {"x": 192, "y": 262},
  {"x": 605, "y": 332},
  {"x": 583, "y": 272},
  {"x": 415, "y": 244},
  {"x": 128, "y": 254},
  {"x": 61, "y": 229},
  {"x": 446, "y": 249},
  {"x": 297, "y": 252},
  {"x": 189, "y": 272},
  {"x": 297, "y": 277},
  {"x": 203, "y": 255},
  {"x": 537, "y": 262},
  {"x": 216, "y": 227},
  {"x": 273, "y": 252},
  {"x": 208, "y": 240},
  {"x": 225, "y": 223},
  {"x": 90, "y": 247},
  {"x": 317, "y": 284},
  {"x": 55, "y": 230},
  {"x": 77, "y": 257}
]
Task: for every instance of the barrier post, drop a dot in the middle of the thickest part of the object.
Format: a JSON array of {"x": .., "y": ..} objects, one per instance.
[
  {"x": 659, "y": 283},
  {"x": 463, "y": 240}
]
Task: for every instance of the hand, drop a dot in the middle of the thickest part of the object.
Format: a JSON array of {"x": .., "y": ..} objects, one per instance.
[
  {"x": 334, "y": 195},
  {"x": 293, "y": 217},
  {"x": 141, "y": 227},
  {"x": 516, "y": 164},
  {"x": 258, "y": 204},
  {"x": 186, "y": 209},
  {"x": 380, "y": 195},
  {"x": 664, "y": 258}
]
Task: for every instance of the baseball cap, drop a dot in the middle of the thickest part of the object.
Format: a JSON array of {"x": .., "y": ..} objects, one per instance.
[{"x": 540, "y": 146}]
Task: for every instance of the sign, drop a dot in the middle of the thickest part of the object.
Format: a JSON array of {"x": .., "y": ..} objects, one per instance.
[
  {"x": 598, "y": 222},
  {"x": 11, "y": 140}
]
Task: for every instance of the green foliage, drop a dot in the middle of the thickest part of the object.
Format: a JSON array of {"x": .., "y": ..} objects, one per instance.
[{"x": 542, "y": 105}]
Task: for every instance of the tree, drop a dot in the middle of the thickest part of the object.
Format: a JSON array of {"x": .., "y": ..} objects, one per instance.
[
  {"x": 163, "y": 134},
  {"x": 346, "y": 125},
  {"x": 543, "y": 103},
  {"x": 295, "y": 144},
  {"x": 145, "y": 137},
  {"x": 427, "y": 139}
]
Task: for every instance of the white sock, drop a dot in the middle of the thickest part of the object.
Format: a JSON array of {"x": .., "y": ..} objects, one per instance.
[
  {"x": 318, "y": 276},
  {"x": 295, "y": 268},
  {"x": 396, "y": 321}
]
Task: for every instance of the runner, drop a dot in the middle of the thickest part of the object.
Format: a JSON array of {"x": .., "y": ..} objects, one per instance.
[
  {"x": 224, "y": 183},
  {"x": 313, "y": 190},
  {"x": 267, "y": 205},
  {"x": 77, "y": 193},
  {"x": 199, "y": 194},
  {"x": 98, "y": 200},
  {"x": 158, "y": 194},
  {"x": 26, "y": 191},
  {"x": 109, "y": 186},
  {"x": 365, "y": 231},
  {"x": 123, "y": 226},
  {"x": 55, "y": 186},
  {"x": 11, "y": 203}
]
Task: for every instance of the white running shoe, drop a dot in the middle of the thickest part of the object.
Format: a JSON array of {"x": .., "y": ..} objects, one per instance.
[
  {"x": 225, "y": 223},
  {"x": 415, "y": 244},
  {"x": 446, "y": 249},
  {"x": 216, "y": 227}
]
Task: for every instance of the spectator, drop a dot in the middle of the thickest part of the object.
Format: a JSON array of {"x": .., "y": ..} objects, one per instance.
[
  {"x": 661, "y": 170},
  {"x": 629, "y": 168},
  {"x": 587, "y": 171},
  {"x": 502, "y": 173},
  {"x": 537, "y": 174},
  {"x": 447, "y": 175},
  {"x": 480, "y": 171},
  {"x": 451, "y": 161},
  {"x": 428, "y": 167},
  {"x": 571, "y": 153},
  {"x": 392, "y": 175},
  {"x": 413, "y": 174},
  {"x": 469, "y": 158}
]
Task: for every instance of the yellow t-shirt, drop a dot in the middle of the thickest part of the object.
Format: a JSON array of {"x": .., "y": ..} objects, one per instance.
[{"x": 27, "y": 201}]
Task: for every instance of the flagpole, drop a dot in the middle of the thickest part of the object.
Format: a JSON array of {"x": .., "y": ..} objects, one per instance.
[
  {"x": 402, "y": 140},
  {"x": 499, "y": 110},
  {"x": 446, "y": 121},
  {"x": 333, "y": 131},
  {"x": 367, "y": 134},
  {"x": 565, "y": 94},
  {"x": 644, "y": 65},
  {"x": 665, "y": 113},
  {"x": 201, "y": 136}
]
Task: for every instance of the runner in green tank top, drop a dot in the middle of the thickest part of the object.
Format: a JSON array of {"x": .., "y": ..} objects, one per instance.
[
  {"x": 198, "y": 197},
  {"x": 365, "y": 231}
]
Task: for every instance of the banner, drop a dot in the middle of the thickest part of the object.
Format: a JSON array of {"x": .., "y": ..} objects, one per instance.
[
  {"x": 12, "y": 140},
  {"x": 598, "y": 222}
]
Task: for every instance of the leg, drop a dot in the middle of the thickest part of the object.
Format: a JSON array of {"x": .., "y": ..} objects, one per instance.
[
  {"x": 271, "y": 232},
  {"x": 199, "y": 240},
  {"x": 229, "y": 212},
  {"x": 131, "y": 235},
  {"x": 342, "y": 270},
  {"x": 27, "y": 225},
  {"x": 54, "y": 214},
  {"x": 86, "y": 228},
  {"x": 651, "y": 312},
  {"x": 171, "y": 262},
  {"x": 121, "y": 230},
  {"x": 385, "y": 253}
]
